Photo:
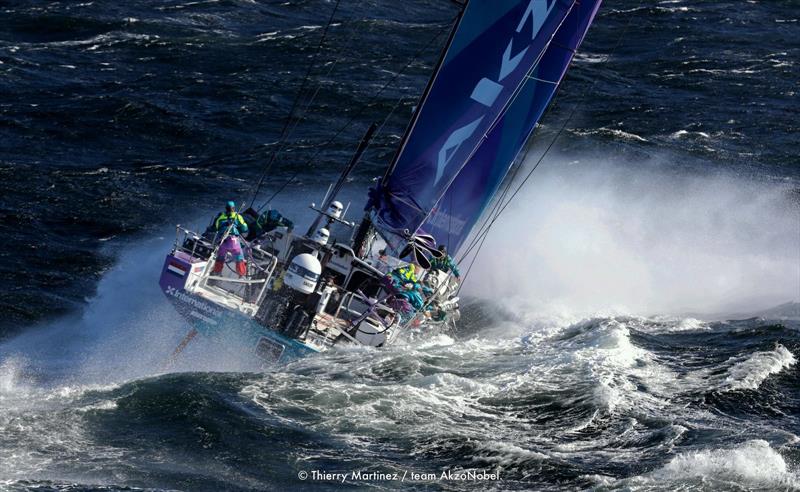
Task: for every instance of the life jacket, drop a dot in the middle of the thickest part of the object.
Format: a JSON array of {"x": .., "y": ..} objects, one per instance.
[
  {"x": 407, "y": 273},
  {"x": 224, "y": 220}
]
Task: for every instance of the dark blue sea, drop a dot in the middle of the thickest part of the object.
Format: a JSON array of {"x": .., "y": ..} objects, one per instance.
[{"x": 632, "y": 321}]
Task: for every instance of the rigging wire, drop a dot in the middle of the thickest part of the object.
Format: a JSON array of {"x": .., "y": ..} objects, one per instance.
[
  {"x": 363, "y": 107},
  {"x": 282, "y": 139},
  {"x": 306, "y": 110},
  {"x": 377, "y": 132},
  {"x": 499, "y": 115},
  {"x": 500, "y": 207}
]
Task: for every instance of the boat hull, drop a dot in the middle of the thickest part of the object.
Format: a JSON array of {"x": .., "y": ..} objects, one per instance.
[{"x": 238, "y": 332}]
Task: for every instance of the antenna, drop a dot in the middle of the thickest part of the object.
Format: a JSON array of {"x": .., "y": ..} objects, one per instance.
[
  {"x": 325, "y": 198},
  {"x": 362, "y": 146}
]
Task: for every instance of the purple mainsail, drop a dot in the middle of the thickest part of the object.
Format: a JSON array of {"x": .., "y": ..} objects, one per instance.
[
  {"x": 461, "y": 206},
  {"x": 494, "y": 48}
]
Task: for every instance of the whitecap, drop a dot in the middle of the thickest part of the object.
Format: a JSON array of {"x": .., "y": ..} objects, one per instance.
[
  {"x": 752, "y": 463},
  {"x": 456, "y": 385},
  {"x": 666, "y": 324},
  {"x": 613, "y": 132},
  {"x": 591, "y": 58},
  {"x": 751, "y": 372},
  {"x": 505, "y": 454},
  {"x": 684, "y": 133}
]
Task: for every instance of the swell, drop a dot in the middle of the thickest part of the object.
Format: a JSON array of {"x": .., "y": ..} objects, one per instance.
[{"x": 573, "y": 403}]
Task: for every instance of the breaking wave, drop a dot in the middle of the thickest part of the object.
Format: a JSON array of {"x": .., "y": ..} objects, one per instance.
[
  {"x": 752, "y": 464},
  {"x": 541, "y": 400},
  {"x": 751, "y": 372}
]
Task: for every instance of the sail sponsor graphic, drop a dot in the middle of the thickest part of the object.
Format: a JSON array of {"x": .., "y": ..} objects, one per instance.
[
  {"x": 203, "y": 317},
  {"x": 487, "y": 91},
  {"x": 494, "y": 47},
  {"x": 460, "y": 208}
]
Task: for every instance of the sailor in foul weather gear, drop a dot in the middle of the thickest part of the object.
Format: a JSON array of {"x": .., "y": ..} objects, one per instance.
[
  {"x": 445, "y": 263},
  {"x": 230, "y": 221},
  {"x": 405, "y": 283},
  {"x": 270, "y": 220},
  {"x": 405, "y": 275}
]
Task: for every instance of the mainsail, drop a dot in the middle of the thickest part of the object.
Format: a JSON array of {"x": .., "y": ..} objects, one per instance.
[
  {"x": 461, "y": 206},
  {"x": 496, "y": 45}
]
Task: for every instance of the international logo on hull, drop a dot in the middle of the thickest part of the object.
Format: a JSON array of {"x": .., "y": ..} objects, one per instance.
[{"x": 192, "y": 301}]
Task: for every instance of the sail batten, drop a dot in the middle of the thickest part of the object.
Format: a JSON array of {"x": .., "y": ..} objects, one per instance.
[{"x": 494, "y": 51}]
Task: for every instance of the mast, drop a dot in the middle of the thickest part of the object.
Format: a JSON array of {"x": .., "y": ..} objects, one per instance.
[
  {"x": 365, "y": 228},
  {"x": 493, "y": 49},
  {"x": 423, "y": 98}
]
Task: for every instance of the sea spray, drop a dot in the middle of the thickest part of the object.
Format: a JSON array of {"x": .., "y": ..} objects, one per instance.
[{"x": 597, "y": 234}]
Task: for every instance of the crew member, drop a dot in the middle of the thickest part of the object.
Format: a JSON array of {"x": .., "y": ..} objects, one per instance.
[
  {"x": 445, "y": 263},
  {"x": 231, "y": 219},
  {"x": 406, "y": 285},
  {"x": 270, "y": 220}
]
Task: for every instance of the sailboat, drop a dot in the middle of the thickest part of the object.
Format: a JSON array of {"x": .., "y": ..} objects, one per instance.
[{"x": 301, "y": 293}]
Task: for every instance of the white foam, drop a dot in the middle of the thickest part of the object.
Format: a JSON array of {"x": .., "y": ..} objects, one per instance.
[
  {"x": 683, "y": 133},
  {"x": 691, "y": 324},
  {"x": 620, "y": 134},
  {"x": 611, "y": 358},
  {"x": 753, "y": 463},
  {"x": 505, "y": 454},
  {"x": 439, "y": 340},
  {"x": 104, "y": 40},
  {"x": 606, "y": 395},
  {"x": 586, "y": 57},
  {"x": 452, "y": 384},
  {"x": 751, "y": 372},
  {"x": 672, "y": 324},
  {"x": 596, "y": 358}
]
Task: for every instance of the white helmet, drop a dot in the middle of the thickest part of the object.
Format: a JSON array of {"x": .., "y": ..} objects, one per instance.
[
  {"x": 321, "y": 236},
  {"x": 335, "y": 209}
]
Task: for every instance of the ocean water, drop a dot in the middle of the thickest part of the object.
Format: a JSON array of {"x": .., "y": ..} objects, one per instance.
[{"x": 632, "y": 321}]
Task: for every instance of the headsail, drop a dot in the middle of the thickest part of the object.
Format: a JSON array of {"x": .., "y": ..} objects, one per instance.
[
  {"x": 495, "y": 46},
  {"x": 465, "y": 200}
]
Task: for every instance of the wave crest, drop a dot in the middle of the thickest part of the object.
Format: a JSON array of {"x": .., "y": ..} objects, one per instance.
[
  {"x": 751, "y": 372},
  {"x": 754, "y": 463}
]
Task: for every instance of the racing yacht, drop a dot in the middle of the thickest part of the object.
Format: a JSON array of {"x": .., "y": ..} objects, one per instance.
[{"x": 303, "y": 293}]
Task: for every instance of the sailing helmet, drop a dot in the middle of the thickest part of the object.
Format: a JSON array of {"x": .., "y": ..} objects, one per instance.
[{"x": 335, "y": 209}]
